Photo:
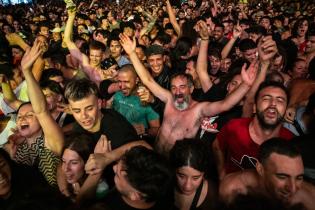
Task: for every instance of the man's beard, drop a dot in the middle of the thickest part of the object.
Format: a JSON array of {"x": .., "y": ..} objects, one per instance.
[
  {"x": 181, "y": 106},
  {"x": 266, "y": 125}
]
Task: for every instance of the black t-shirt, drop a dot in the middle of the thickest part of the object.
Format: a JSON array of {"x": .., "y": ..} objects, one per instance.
[
  {"x": 116, "y": 128},
  {"x": 114, "y": 201}
]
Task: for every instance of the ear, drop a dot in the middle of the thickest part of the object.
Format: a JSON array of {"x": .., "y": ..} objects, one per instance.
[
  {"x": 254, "y": 108},
  {"x": 191, "y": 89},
  {"x": 135, "y": 196},
  {"x": 99, "y": 103},
  {"x": 260, "y": 169}
]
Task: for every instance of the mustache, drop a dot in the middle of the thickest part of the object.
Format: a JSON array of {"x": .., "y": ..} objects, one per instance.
[{"x": 176, "y": 96}]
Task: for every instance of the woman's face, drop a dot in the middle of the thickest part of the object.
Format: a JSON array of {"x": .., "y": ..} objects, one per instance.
[
  {"x": 73, "y": 166},
  {"x": 27, "y": 122},
  {"x": 302, "y": 29},
  {"x": 188, "y": 179}
]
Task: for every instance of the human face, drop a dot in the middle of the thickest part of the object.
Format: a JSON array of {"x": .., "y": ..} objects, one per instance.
[
  {"x": 254, "y": 36},
  {"x": 140, "y": 53},
  {"x": 121, "y": 181},
  {"x": 215, "y": 64},
  {"x": 17, "y": 54},
  {"x": 265, "y": 23},
  {"x": 190, "y": 69},
  {"x": 188, "y": 179},
  {"x": 95, "y": 57},
  {"x": 110, "y": 17},
  {"x": 302, "y": 29},
  {"x": 27, "y": 122},
  {"x": 115, "y": 49},
  {"x": 218, "y": 33},
  {"x": 56, "y": 36},
  {"x": 270, "y": 107},
  {"x": 283, "y": 176},
  {"x": 5, "y": 178},
  {"x": 129, "y": 32},
  {"x": 181, "y": 92},
  {"x": 127, "y": 82},
  {"x": 250, "y": 55},
  {"x": 87, "y": 112},
  {"x": 156, "y": 63},
  {"x": 72, "y": 166},
  {"x": 51, "y": 99},
  {"x": 277, "y": 64},
  {"x": 225, "y": 64},
  {"x": 44, "y": 31},
  {"x": 43, "y": 43},
  {"x": 310, "y": 45},
  {"x": 234, "y": 83},
  {"x": 299, "y": 70}
]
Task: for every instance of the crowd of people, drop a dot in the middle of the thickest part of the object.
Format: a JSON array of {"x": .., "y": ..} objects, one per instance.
[{"x": 197, "y": 104}]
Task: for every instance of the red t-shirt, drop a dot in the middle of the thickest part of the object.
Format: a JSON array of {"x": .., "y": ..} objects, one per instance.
[{"x": 239, "y": 149}]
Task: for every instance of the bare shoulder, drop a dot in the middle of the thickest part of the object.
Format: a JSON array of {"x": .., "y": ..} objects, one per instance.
[{"x": 237, "y": 183}]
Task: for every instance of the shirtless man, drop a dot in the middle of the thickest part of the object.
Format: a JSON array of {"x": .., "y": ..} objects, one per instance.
[
  {"x": 91, "y": 64},
  {"x": 182, "y": 115},
  {"x": 279, "y": 174}
]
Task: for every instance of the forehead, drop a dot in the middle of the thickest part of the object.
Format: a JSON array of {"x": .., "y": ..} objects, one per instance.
[
  {"x": 125, "y": 74},
  {"x": 114, "y": 43},
  {"x": 273, "y": 91},
  {"x": 95, "y": 52},
  {"x": 25, "y": 108},
  {"x": 70, "y": 154},
  {"x": 84, "y": 102},
  {"x": 155, "y": 56},
  {"x": 179, "y": 80},
  {"x": 189, "y": 171},
  {"x": 285, "y": 164}
]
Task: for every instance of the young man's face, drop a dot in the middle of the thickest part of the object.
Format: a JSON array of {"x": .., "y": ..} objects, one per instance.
[
  {"x": 95, "y": 57},
  {"x": 44, "y": 31},
  {"x": 270, "y": 107},
  {"x": 115, "y": 49},
  {"x": 87, "y": 112},
  {"x": 156, "y": 63},
  {"x": 250, "y": 55},
  {"x": 283, "y": 176},
  {"x": 310, "y": 45}
]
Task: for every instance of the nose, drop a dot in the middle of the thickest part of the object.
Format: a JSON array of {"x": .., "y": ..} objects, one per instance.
[
  {"x": 84, "y": 115},
  {"x": 292, "y": 186},
  {"x": 187, "y": 185},
  {"x": 65, "y": 167}
]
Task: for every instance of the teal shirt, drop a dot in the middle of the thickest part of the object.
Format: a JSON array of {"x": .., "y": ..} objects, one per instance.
[{"x": 132, "y": 109}]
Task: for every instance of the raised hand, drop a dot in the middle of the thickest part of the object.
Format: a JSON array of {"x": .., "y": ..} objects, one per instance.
[
  {"x": 30, "y": 56},
  {"x": 249, "y": 75},
  {"x": 237, "y": 31},
  {"x": 267, "y": 48},
  {"x": 128, "y": 44},
  {"x": 145, "y": 95},
  {"x": 97, "y": 162},
  {"x": 103, "y": 145},
  {"x": 202, "y": 28}
]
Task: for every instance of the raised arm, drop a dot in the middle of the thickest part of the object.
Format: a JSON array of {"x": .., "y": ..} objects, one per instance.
[
  {"x": 8, "y": 94},
  {"x": 15, "y": 39},
  {"x": 267, "y": 48},
  {"x": 202, "y": 61},
  {"x": 237, "y": 31},
  {"x": 248, "y": 77},
  {"x": 172, "y": 17},
  {"x": 54, "y": 138},
  {"x": 130, "y": 47}
]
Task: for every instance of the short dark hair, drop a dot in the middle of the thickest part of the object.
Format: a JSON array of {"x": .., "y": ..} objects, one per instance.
[
  {"x": 187, "y": 76},
  {"x": 96, "y": 45},
  {"x": 279, "y": 146},
  {"x": 267, "y": 84},
  {"x": 81, "y": 88},
  {"x": 154, "y": 50},
  {"x": 190, "y": 152},
  {"x": 247, "y": 44},
  {"x": 147, "y": 171},
  {"x": 51, "y": 85}
]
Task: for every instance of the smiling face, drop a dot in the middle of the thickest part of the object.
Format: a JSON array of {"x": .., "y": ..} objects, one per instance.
[
  {"x": 283, "y": 176},
  {"x": 270, "y": 107},
  {"x": 72, "y": 166},
  {"x": 188, "y": 179},
  {"x": 5, "y": 178},
  {"x": 127, "y": 82},
  {"x": 27, "y": 122},
  {"x": 156, "y": 63},
  {"x": 95, "y": 57}
]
